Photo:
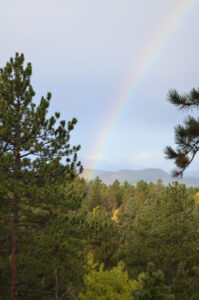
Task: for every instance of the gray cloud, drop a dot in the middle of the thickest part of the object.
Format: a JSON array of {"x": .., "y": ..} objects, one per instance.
[{"x": 83, "y": 51}]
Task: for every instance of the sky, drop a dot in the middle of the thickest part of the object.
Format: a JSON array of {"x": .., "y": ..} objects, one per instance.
[{"x": 86, "y": 52}]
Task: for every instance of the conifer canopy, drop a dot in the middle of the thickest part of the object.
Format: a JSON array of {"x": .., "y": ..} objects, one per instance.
[{"x": 35, "y": 154}]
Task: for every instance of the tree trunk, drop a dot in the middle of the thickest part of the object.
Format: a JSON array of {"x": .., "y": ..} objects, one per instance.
[
  {"x": 14, "y": 249},
  {"x": 16, "y": 153}
]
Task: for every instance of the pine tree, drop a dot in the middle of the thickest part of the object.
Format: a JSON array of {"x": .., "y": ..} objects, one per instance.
[
  {"x": 94, "y": 195},
  {"x": 32, "y": 151},
  {"x": 165, "y": 234},
  {"x": 186, "y": 135},
  {"x": 152, "y": 286},
  {"x": 103, "y": 237}
]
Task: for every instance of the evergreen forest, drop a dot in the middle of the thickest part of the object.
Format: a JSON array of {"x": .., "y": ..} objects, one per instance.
[{"x": 62, "y": 237}]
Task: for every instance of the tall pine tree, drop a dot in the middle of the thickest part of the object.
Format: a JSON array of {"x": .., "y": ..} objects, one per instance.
[{"x": 35, "y": 154}]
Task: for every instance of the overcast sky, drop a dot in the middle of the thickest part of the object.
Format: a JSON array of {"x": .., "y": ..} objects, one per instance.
[{"x": 83, "y": 52}]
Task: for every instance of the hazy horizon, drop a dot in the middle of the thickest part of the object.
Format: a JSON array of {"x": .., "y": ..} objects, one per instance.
[{"x": 188, "y": 173}]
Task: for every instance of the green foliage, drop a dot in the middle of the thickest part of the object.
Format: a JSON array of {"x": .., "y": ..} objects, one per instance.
[
  {"x": 108, "y": 285},
  {"x": 95, "y": 194},
  {"x": 36, "y": 162},
  {"x": 152, "y": 286},
  {"x": 182, "y": 285},
  {"x": 165, "y": 234},
  {"x": 128, "y": 191},
  {"x": 103, "y": 238},
  {"x": 115, "y": 191},
  {"x": 187, "y": 135}
]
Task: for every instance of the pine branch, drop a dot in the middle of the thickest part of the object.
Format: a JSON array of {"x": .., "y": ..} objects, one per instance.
[{"x": 184, "y": 101}]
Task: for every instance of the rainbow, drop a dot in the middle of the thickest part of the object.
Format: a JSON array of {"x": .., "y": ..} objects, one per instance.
[{"x": 137, "y": 76}]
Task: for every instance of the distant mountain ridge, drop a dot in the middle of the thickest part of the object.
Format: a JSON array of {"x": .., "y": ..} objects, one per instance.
[{"x": 133, "y": 176}]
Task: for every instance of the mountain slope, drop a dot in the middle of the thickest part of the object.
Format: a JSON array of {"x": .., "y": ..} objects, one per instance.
[{"x": 133, "y": 176}]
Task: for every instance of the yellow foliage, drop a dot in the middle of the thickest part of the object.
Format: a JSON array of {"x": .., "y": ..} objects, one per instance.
[
  {"x": 196, "y": 198},
  {"x": 114, "y": 217},
  {"x": 96, "y": 210}
]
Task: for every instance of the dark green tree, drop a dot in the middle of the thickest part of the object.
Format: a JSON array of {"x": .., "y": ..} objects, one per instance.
[
  {"x": 103, "y": 237},
  {"x": 182, "y": 285},
  {"x": 186, "y": 135},
  {"x": 36, "y": 157},
  {"x": 95, "y": 193},
  {"x": 153, "y": 286},
  {"x": 165, "y": 234}
]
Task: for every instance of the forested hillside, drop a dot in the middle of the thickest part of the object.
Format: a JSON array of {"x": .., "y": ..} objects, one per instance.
[
  {"x": 148, "y": 230},
  {"x": 63, "y": 237}
]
